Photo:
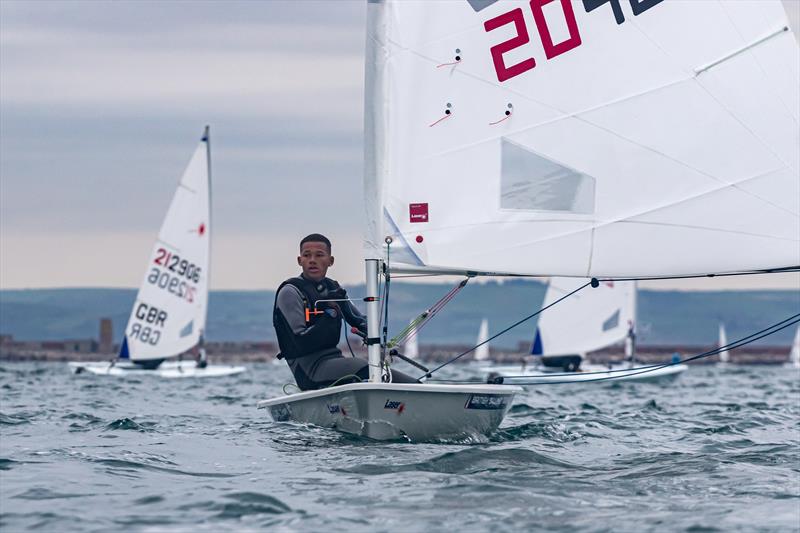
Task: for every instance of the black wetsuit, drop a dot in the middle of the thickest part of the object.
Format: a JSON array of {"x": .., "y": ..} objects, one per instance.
[{"x": 311, "y": 346}]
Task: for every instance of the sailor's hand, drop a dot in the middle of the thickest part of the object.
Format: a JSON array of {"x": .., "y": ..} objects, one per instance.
[
  {"x": 361, "y": 328},
  {"x": 328, "y": 306},
  {"x": 356, "y": 331}
]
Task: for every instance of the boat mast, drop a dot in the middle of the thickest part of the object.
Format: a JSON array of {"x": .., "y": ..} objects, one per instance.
[
  {"x": 375, "y": 170},
  {"x": 207, "y": 139},
  {"x": 373, "y": 319}
]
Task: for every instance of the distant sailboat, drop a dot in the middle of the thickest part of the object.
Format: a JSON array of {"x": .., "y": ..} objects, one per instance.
[
  {"x": 482, "y": 351},
  {"x": 590, "y": 320},
  {"x": 724, "y": 355},
  {"x": 794, "y": 354},
  {"x": 169, "y": 315}
]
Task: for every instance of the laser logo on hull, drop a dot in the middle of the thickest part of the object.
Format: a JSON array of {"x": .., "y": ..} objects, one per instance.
[{"x": 394, "y": 406}]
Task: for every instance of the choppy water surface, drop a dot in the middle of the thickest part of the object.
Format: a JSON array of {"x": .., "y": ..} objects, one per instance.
[{"x": 717, "y": 450}]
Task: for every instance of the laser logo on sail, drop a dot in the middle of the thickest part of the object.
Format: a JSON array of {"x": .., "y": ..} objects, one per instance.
[{"x": 418, "y": 212}]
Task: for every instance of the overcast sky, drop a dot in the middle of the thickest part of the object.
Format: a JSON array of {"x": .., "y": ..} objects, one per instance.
[{"x": 102, "y": 104}]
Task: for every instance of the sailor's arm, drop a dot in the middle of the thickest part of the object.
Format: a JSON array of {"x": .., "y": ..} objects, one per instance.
[
  {"x": 350, "y": 313},
  {"x": 354, "y": 317}
]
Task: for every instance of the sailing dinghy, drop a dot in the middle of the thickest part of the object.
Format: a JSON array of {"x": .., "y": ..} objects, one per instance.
[
  {"x": 622, "y": 139},
  {"x": 589, "y": 320},
  {"x": 169, "y": 315}
]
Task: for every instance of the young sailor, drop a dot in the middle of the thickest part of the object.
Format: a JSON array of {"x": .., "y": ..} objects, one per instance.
[{"x": 308, "y": 315}]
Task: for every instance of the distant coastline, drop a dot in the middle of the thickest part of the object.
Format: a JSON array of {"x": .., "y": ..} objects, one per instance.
[{"x": 264, "y": 352}]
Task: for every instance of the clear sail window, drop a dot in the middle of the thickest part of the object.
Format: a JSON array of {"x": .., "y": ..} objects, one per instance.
[
  {"x": 612, "y": 321},
  {"x": 531, "y": 182}
]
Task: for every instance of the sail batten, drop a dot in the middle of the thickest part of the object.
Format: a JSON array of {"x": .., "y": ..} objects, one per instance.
[
  {"x": 741, "y": 50},
  {"x": 611, "y": 156}
]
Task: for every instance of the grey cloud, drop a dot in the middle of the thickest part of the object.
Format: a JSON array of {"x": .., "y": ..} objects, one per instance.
[
  {"x": 186, "y": 58},
  {"x": 103, "y": 102},
  {"x": 85, "y": 174}
]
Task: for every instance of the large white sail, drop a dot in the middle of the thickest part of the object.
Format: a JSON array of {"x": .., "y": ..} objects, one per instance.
[
  {"x": 482, "y": 351},
  {"x": 588, "y": 320},
  {"x": 620, "y": 138},
  {"x": 169, "y": 314},
  {"x": 724, "y": 355}
]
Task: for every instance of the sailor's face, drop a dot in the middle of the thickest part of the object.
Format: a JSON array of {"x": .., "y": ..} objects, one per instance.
[{"x": 315, "y": 259}]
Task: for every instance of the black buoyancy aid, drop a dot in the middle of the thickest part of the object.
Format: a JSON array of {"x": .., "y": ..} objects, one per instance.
[{"x": 323, "y": 329}]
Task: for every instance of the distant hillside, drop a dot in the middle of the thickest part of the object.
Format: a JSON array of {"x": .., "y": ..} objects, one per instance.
[{"x": 670, "y": 317}]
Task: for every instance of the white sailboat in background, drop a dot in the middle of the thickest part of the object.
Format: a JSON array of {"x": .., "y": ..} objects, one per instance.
[
  {"x": 659, "y": 140},
  {"x": 169, "y": 315},
  {"x": 794, "y": 353},
  {"x": 724, "y": 355},
  {"x": 482, "y": 350},
  {"x": 590, "y": 320}
]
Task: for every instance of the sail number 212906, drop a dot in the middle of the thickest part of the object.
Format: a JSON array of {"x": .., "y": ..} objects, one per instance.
[{"x": 178, "y": 266}]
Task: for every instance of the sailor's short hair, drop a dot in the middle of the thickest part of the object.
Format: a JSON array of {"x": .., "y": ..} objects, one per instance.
[{"x": 317, "y": 237}]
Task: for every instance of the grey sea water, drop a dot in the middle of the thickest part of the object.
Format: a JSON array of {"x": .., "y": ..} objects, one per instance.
[{"x": 716, "y": 450}]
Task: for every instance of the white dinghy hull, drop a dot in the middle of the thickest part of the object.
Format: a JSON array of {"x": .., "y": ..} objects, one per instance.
[
  {"x": 167, "y": 369},
  {"x": 598, "y": 374},
  {"x": 390, "y": 411}
]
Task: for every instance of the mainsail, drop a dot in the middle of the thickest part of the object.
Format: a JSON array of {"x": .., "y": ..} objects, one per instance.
[
  {"x": 169, "y": 314},
  {"x": 625, "y": 138},
  {"x": 588, "y": 320}
]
